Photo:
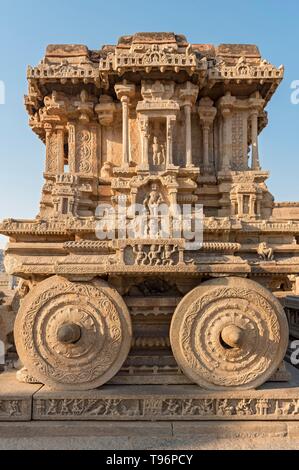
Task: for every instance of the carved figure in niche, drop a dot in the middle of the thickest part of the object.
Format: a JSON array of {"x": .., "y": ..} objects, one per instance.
[
  {"x": 265, "y": 252},
  {"x": 153, "y": 200},
  {"x": 158, "y": 152},
  {"x": 141, "y": 255},
  {"x": 154, "y": 255},
  {"x": 167, "y": 253}
]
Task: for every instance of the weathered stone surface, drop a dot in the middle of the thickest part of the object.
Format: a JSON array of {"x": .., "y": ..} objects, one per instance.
[
  {"x": 92, "y": 352},
  {"x": 129, "y": 436},
  {"x": 272, "y": 402},
  {"x": 230, "y": 430},
  {"x": 15, "y": 398},
  {"x": 164, "y": 403},
  {"x": 230, "y": 320},
  {"x": 87, "y": 429}
]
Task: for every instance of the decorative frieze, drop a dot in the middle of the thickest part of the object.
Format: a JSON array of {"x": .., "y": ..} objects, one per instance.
[{"x": 166, "y": 408}]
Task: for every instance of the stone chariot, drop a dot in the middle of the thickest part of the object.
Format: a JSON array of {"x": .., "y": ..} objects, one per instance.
[{"x": 152, "y": 120}]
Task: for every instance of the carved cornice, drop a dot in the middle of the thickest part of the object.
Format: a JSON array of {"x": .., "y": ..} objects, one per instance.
[{"x": 244, "y": 69}]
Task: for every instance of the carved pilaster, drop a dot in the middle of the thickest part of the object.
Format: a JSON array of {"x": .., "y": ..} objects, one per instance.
[
  {"x": 226, "y": 138},
  {"x": 189, "y": 95},
  {"x": 54, "y": 149},
  {"x": 124, "y": 92},
  {"x": 144, "y": 131},
  {"x": 86, "y": 150},
  {"x": 207, "y": 114},
  {"x": 72, "y": 146},
  {"x": 256, "y": 105},
  {"x": 169, "y": 150},
  {"x": 252, "y": 202},
  {"x": 245, "y": 138},
  {"x": 255, "y": 164},
  {"x": 226, "y": 107}
]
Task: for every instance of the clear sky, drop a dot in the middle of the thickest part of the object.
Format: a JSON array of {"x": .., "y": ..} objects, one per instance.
[{"x": 26, "y": 27}]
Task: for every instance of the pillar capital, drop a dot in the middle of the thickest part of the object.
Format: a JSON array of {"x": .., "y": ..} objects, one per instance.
[
  {"x": 206, "y": 112},
  {"x": 105, "y": 110},
  {"x": 124, "y": 91},
  {"x": 254, "y": 112},
  {"x": 188, "y": 94},
  {"x": 226, "y": 103}
]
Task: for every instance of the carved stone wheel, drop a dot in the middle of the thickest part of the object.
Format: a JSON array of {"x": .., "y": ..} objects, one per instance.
[
  {"x": 73, "y": 335},
  {"x": 229, "y": 333}
]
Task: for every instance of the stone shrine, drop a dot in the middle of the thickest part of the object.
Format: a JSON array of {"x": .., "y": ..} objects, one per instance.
[{"x": 153, "y": 121}]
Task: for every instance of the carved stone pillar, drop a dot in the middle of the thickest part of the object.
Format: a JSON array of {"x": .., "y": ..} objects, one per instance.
[
  {"x": 72, "y": 147},
  {"x": 234, "y": 206},
  {"x": 169, "y": 151},
  {"x": 124, "y": 92},
  {"x": 245, "y": 138},
  {"x": 207, "y": 114},
  {"x": 187, "y": 108},
  {"x": 188, "y": 94},
  {"x": 220, "y": 144},
  {"x": 240, "y": 205},
  {"x": 50, "y": 148},
  {"x": 258, "y": 206},
  {"x": 252, "y": 205},
  {"x": 105, "y": 110},
  {"x": 60, "y": 153},
  {"x": 125, "y": 132},
  {"x": 226, "y": 104},
  {"x": 227, "y": 138},
  {"x": 255, "y": 164},
  {"x": 144, "y": 130},
  {"x": 206, "y": 133}
]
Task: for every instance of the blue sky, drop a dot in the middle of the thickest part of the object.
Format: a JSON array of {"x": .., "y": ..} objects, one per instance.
[{"x": 26, "y": 27}]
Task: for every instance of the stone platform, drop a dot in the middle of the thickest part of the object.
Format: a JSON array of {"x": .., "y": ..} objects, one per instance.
[
  {"x": 26, "y": 402},
  {"x": 171, "y": 435},
  {"x": 149, "y": 417}
]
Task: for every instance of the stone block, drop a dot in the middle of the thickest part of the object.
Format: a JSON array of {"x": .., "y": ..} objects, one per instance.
[{"x": 15, "y": 398}]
